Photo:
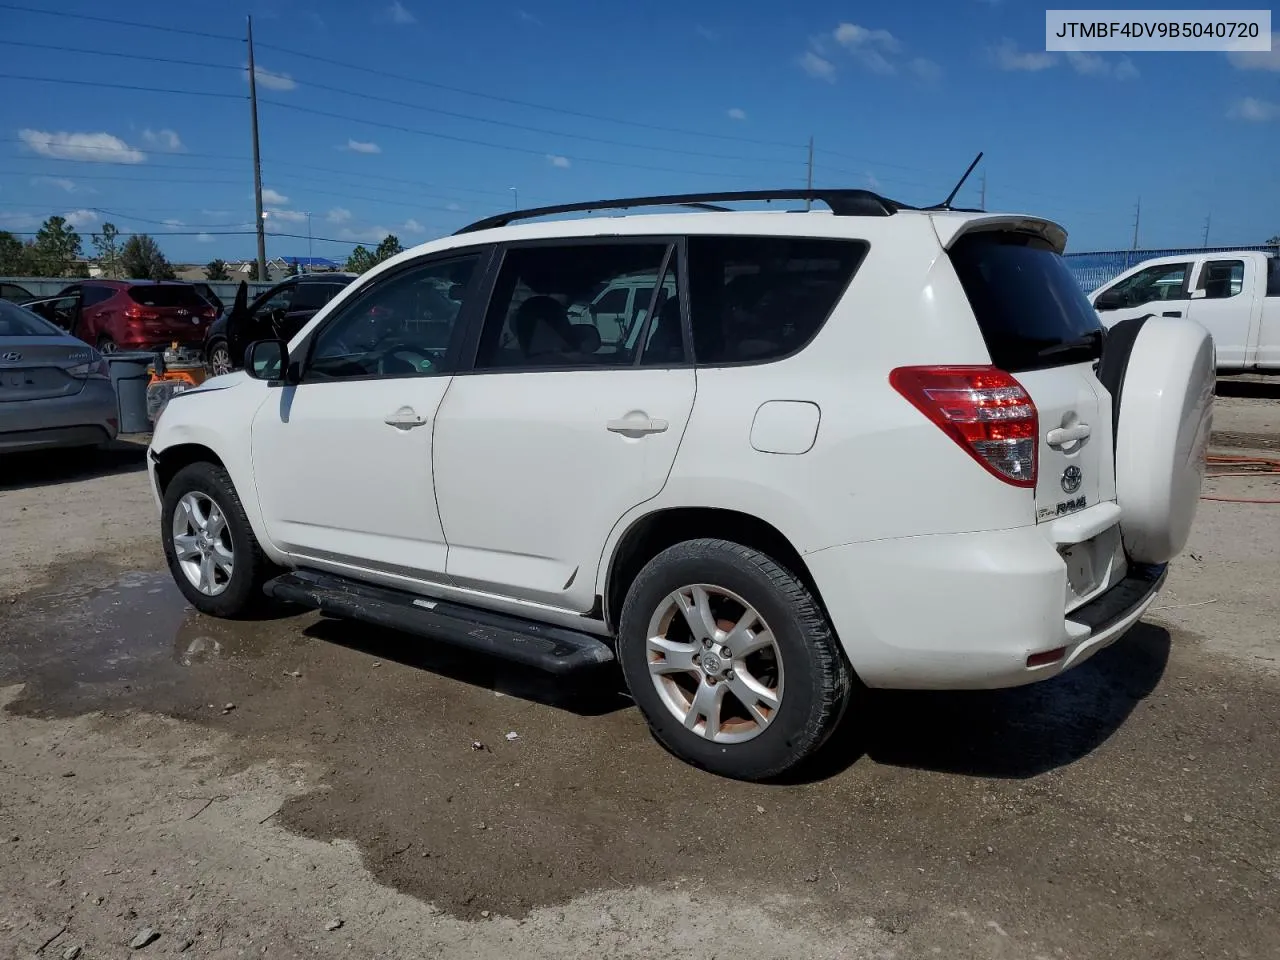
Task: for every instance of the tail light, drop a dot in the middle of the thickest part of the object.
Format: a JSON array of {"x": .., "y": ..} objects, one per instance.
[
  {"x": 209, "y": 313},
  {"x": 137, "y": 313},
  {"x": 96, "y": 369},
  {"x": 983, "y": 409}
]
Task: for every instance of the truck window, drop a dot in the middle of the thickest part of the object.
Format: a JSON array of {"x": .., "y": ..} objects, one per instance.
[
  {"x": 1165, "y": 281},
  {"x": 1222, "y": 279},
  {"x": 1273, "y": 276}
]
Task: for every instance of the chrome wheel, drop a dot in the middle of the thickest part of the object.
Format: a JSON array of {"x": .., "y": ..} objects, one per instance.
[
  {"x": 220, "y": 360},
  {"x": 715, "y": 663},
  {"x": 202, "y": 543},
  {"x": 106, "y": 345}
]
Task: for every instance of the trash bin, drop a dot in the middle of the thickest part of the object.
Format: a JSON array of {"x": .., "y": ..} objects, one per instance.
[{"x": 129, "y": 377}]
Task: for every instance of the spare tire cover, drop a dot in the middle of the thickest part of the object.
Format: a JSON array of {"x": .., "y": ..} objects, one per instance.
[{"x": 1162, "y": 435}]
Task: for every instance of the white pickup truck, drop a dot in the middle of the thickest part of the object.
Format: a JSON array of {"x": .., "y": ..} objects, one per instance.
[{"x": 1235, "y": 296}]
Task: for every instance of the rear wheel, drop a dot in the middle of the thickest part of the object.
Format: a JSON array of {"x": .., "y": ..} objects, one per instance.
[
  {"x": 210, "y": 548},
  {"x": 220, "y": 358},
  {"x": 731, "y": 660}
]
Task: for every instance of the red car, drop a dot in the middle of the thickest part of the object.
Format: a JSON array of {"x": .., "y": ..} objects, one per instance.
[{"x": 129, "y": 314}]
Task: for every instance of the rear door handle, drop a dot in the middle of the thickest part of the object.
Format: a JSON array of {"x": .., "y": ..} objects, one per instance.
[
  {"x": 404, "y": 419},
  {"x": 1061, "y": 436},
  {"x": 1172, "y": 313},
  {"x": 640, "y": 425}
]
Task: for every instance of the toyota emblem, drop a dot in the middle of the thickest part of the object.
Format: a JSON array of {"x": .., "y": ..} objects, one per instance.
[{"x": 1072, "y": 477}]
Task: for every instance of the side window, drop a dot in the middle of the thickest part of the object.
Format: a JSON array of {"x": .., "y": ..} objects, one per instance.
[
  {"x": 95, "y": 294},
  {"x": 1163, "y": 282},
  {"x": 1221, "y": 279},
  {"x": 754, "y": 299},
  {"x": 575, "y": 305},
  {"x": 1273, "y": 277},
  {"x": 400, "y": 326},
  {"x": 280, "y": 299},
  {"x": 310, "y": 296}
]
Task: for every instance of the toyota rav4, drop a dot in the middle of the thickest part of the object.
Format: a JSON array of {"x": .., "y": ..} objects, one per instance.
[{"x": 870, "y": 446}]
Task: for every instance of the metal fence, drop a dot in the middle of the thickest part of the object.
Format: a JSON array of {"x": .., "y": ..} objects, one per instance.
[
  {"x": 52, "y": 286},
  {"x": 1092, "y": 270}
]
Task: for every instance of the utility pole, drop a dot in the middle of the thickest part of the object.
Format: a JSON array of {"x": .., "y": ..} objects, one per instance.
[
  {"x": 1204, "y": 240},
  {"x": 310, "y": 259},
  {"x": 515, "y": 198},
  {"x": 1137, "y": 217},
  {"x": 982, "y": 203},
  {"x": 808, "y": 203},
  {"x": 257, "y": 162}
]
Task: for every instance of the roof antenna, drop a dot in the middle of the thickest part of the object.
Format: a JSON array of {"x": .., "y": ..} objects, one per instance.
[{"x": 946, "y": 204}]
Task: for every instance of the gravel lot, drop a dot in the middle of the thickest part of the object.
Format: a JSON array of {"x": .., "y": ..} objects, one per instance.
[{"x": 306, "y": 787}]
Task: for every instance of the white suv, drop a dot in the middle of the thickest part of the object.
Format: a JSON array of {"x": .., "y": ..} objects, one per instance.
[{"x": 867, "y": 446}]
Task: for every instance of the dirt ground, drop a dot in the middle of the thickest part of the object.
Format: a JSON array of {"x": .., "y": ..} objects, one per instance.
[{"x": 308, "y": 787}]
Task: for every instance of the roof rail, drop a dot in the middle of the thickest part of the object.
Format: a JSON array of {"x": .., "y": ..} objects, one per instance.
[{"x": 843, "y": 203}]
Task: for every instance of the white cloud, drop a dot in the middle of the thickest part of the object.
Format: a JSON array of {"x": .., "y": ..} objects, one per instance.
[
  {"x": 558, "y": 161},
  {"x": 339, "y": 215},
  {"x": 270, "y": 79},
  {"x": 1257, "y": 59},
  {"x": 737, "y": 113},
  {"x": 1007, "y": 56},
  {"x": 165, "y": 139},
  {"x": 92, "y": 147},
  {"x": 818, "y": 67},
  {"x": 205, "y": 238},
  {"x": 77, "y": 219},
  {"x": 60, "y": 182},
  {"x": 280, "y": 215},
  {"x": 1096, "y": 65},
  {"x": 361, "y": 146},
  {"x": 453, "y": 206},
  {"x": 852, "y": 36},
  {"x": 872, "y": 182},
  {"x": 399, "y": 13},
  {"x": 273, "y": 196},
  {"x": 1254, "y": 110},
  {"x": 412, "y": 226},
  {"x": 174, "y": 223},
  {"x": 925, "y": 69}
]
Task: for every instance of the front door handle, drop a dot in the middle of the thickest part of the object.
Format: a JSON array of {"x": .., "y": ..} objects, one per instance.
[
  {"x": 1172, "y": 313},
  {"x": 636, "y": 425},
  {"x": 405, "y": 419},
  {"x": 1061, "y": 436}
]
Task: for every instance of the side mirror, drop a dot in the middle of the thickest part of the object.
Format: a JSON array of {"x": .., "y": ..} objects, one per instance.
[
  {"x": 1109, "y": 300},
  {"x": 267, "y": 360}
]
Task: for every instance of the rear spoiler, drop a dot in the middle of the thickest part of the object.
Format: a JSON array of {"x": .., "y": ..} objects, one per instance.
[{"x": 950, "y": 227}]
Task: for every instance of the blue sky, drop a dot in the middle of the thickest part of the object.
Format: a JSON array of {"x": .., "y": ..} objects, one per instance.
[{"x": 709, "y": 95}]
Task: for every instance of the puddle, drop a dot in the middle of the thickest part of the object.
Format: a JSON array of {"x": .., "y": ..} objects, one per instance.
[{"x": 82, "y": 646}]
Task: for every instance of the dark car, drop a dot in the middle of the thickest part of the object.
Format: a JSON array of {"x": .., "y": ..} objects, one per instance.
[
  {"x": 128, "y": 314},
  {"x": 278, "y": 313},
  {"x": 206, "y": 291},
  {"x": 14, "y": 293}
]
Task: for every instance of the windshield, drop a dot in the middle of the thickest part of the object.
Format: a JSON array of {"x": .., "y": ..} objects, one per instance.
[
  {"x": 18, "y": 322},
  {"x": 1031, "y": 312}
]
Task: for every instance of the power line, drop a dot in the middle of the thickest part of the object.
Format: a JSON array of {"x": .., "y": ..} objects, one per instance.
[
  {"x": 97, "y": 149},
  {"x": 100, "y": 176},
  {"x": 181, "y": 61},
  {"x": 497, "y": 146},
  {"x": 120, "y": 23},
  {"x": 123, "y": 86},
  {"x": 524, "y": 103}
]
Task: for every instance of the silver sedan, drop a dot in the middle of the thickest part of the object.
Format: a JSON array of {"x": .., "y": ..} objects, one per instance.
[{"x": 55, "y": 390}]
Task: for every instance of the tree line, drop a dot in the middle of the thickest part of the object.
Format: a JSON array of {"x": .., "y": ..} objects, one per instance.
[{"x": 58, "y": 251}]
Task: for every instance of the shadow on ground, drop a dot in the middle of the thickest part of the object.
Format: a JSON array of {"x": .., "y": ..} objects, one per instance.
[
  {"x": 1016, "y": 733},
  {"x": 1268, "y": 389},
  {"x": 60, "y": 466}
]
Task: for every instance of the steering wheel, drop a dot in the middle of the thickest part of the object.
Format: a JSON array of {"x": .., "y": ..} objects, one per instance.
[{"x": 404, "y": 351}]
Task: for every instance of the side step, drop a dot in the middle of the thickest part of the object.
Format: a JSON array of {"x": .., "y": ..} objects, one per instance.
[{"x": 553, "y": 649}]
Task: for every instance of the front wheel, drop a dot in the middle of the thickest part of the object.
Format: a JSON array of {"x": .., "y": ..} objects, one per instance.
[
  {"x": 220, "y": 359},
  {"x": 210, "y": 548},
  {"x": 731, "y": 660}
]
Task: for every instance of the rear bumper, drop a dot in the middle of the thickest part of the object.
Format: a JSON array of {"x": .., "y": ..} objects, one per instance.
[
  {"x": 83, "y": 419},
  {"x": 966, "y": 611}
]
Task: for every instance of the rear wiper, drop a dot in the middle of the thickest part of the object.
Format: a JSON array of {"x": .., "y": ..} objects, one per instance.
[{"x": 1090, "y": 342}]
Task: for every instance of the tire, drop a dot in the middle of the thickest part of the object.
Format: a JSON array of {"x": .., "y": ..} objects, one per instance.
[
  {"x": 803, "y": 668},
  {"x": 219, "y": 358},
  {"x": 232, "y": 593}
]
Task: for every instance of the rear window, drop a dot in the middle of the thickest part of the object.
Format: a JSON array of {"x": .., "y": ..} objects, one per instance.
[
  {"x": 755, "y": 299},
  {"x": 18, "y": 322},
  {"x": 1031, "y": 312},
  {"x": 165, "y": 296}
]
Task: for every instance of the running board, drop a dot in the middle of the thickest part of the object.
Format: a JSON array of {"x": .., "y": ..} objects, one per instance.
[{"x": 554, "y": 649}]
